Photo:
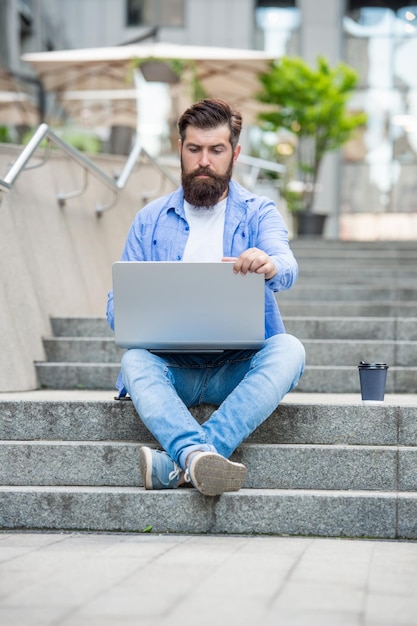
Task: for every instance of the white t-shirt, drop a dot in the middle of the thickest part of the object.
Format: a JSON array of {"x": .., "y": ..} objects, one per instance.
[{"x": 205, "y": 239}]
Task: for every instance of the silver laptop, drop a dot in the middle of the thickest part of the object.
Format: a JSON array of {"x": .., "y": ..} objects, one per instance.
[{"x": 176, "y": 306}]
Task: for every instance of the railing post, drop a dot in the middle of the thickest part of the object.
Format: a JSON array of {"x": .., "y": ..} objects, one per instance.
[{"x": 26, "y": 155}]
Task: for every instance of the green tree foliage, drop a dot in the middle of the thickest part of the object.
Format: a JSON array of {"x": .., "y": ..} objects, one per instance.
[{"x": 311, "y": 103}]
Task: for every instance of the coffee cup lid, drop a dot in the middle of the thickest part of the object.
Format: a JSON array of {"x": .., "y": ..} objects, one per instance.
[{"x": 365, "y": 365}]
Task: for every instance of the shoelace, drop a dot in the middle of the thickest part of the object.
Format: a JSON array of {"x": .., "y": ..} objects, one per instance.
[
  {"x": 175, "y": 472},
  {"x": 187, "y": 476}
]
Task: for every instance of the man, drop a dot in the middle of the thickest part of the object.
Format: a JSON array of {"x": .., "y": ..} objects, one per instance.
[{"x": 210, "y": 218}]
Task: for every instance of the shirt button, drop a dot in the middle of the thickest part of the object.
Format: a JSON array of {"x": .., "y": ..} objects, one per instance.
[{"x": 178, "y": 258}]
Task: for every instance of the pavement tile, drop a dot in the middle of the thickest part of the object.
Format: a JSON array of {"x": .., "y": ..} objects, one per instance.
[
  {"x": 87, "y": 579},
  {"x": 390, "y": 609},
  {"x": 296, "y": 617},
  {"x": 321, "y": 596},
  {"x": 31, "y": 616}
]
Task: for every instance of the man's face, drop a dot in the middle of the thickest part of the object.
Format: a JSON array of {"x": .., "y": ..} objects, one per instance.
[{"x": 207, "y": 160}]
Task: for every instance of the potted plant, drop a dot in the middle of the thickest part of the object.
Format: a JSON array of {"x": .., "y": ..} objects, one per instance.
[{"x": 311, "y": 104}]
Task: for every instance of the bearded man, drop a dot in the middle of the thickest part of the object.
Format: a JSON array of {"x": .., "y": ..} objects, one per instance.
[{"x": 210, "y": 218}]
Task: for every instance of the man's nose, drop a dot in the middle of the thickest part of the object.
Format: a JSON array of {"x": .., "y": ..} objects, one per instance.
[{"x": 204, "y": 159}]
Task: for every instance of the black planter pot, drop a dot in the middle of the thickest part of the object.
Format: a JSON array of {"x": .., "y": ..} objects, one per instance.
[{"x": 309, "y": 224}]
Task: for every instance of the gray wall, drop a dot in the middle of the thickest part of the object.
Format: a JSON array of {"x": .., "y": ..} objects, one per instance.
[
  {"x": 206, "y": 23},
  {"x": 53, "y": 261}
]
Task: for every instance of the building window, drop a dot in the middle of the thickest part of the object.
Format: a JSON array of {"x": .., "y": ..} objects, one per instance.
[
  {"x": 379, "y": 169},
  {"x": 134, "y": 9},
  {"x": 26, "y": 17},
  {"x": 394, "y": 5},
  {"x": 155, "y": 13}
]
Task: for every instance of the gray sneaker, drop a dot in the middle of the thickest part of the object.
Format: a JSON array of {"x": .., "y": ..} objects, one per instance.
[
  {"x": 158, "y": 470},
  {"x": 213, "y": 474}
]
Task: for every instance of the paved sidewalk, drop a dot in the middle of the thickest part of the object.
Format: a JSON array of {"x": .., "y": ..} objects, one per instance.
[{"x": 54, "y": 579}]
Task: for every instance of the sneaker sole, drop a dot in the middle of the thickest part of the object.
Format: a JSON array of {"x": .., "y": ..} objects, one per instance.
[
  {"x": 213, "y": 474},
  {"x": 145, "y": 464}
]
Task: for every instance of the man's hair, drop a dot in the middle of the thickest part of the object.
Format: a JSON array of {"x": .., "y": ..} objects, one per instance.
[{"x": 210, "y": 113}]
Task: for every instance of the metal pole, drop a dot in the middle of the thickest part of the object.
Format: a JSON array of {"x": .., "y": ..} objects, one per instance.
[{"x": 26, "y": 155}]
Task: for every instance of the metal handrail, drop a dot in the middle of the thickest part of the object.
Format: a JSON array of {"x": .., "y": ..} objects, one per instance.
[
  {"x": 115, "y": 184},
  {"x": 262, "y": 164},
  {"x": 256, "y": 165}
]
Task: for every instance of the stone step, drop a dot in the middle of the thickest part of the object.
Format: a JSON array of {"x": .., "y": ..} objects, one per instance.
[
  {"x": 371, "y": 251},
  {"x": 345, "y": 292},
  {"x": 305, "y": 319},
  {"x": 350, "y": 513},
  {"x": 319, "y": 351},
  {"x": 93, "y": 327},
  {"x": 313, "y": 327},
  {"x": 337, "y": 278},
  {"x": 82, "y": 349},
  {"x": 294, "y": 422},
  {"x": 364, "y": 328},
  {"x": 362, "y": 261},
  {"x": 77, "y": 375},
  {"x": 316, "y": 308},
  {"x": 91, "y": 441},
  {"x": 316, "y": 378},
  {"x": 328, "y": 246},
  {"x": 270, "y": 466},
  {"x": 345, "y": 379},
  {"x": 358, "y": 272},
  {"x": 328, "y": 352},
  {"x": 80, "y": 327}
]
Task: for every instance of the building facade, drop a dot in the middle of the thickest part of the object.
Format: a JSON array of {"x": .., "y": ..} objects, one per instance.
[{"x": 374, "y": 177}]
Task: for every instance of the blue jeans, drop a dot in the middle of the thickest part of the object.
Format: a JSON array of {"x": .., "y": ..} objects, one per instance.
[{"x": 245, "y": 385}]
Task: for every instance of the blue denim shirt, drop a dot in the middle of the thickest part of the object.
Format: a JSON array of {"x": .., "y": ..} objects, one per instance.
[{"x": 160, "y": 230}]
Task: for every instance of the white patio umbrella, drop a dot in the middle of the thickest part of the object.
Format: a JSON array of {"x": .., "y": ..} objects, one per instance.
[
  {"x": 116, "y": 107},
  {"x": 228, "y": 73}
]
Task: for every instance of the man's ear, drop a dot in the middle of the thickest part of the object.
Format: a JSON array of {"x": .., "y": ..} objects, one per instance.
[
  {"x": 236, "y": 152},
  {"x": 179, "y": 146}
]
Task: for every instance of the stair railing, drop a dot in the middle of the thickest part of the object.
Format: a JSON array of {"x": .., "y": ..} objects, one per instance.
[
  {"x": 114, "y": 184},
  {"x": 256, "y": 166}
]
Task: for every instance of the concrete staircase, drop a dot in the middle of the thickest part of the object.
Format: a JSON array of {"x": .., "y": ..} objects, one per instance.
[
  {"x": 355, "y": 302},
  {"x": 352, "y": 302},
  {"x": 322, "y": 464},
  {"x": 82, "y": 353}
]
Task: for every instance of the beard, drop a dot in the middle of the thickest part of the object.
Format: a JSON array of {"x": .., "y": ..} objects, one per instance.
[{"x": 205, "y": 192}]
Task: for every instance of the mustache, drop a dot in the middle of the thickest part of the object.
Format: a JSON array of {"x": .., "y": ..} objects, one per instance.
[{"x": 203, "y": 171}]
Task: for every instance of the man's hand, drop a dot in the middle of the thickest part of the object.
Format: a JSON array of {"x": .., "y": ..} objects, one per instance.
[{"x": 253, "y": 260}]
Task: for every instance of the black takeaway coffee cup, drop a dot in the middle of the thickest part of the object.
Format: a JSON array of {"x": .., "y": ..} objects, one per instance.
[{"x": 373, "y": 377}]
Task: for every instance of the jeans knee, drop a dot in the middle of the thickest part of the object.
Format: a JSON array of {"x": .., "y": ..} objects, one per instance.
[
  {"x": 126, "y": 359},
  {"x": 132, "y": 359},
  {"x": 291, "y": 347},
  {"x": 287, "y": 341},
  {"x": 295, "y": 346}
]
